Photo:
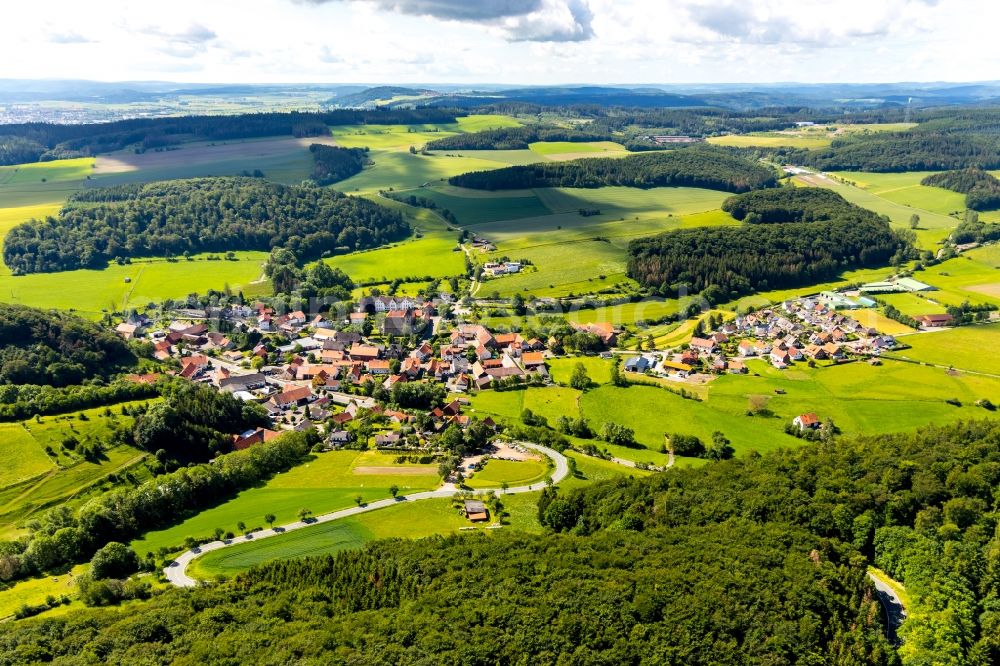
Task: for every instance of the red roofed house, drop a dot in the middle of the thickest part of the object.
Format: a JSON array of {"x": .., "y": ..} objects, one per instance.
[{"x": 804, "y": 421}]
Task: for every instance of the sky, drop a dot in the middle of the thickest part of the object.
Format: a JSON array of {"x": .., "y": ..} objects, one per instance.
[{"x": 501, "y": 41}]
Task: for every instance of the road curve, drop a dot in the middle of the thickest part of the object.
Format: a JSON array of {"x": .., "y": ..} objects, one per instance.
[
  {"x": 895, "y": 611},
  {"x": 176, "y": 571}
]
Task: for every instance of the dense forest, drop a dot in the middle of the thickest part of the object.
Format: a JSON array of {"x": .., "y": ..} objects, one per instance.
[
  {"x": 689, "y": 167},
  {"x": 333, "y": 163},
  {"x": 921, "y": 506},
  {"x": 48, "y": 141},
  {"x": 198, "y": 215},
  {"x": 725, "y": 262},
  {"x": 793, "y": 204},
  {"x": 913, "y": 150},
  {"x": 515, "y": 138},
  {"x": 756, "y": 560},
  {"x": 981, "y": 189},
  {"x": 56, "y": 348}
]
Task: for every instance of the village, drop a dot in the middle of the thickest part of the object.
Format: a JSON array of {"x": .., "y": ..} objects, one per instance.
[{"x": 339, "y": 374}]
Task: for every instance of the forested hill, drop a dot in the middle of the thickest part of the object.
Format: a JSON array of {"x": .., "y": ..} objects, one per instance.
[
  {"x": 30, "y": 142},
  {"x": 790, "y": 237},
  {"x": 711, "y": 168},
  {"x": 56, "y": 348},
  {"x": 793, "y": 204},
  {"x": 921, "y": 506},
  {"x": 756, "y": 560},
  {"x": 198, "y": 215},
  {"x": 914, "y": 150}
]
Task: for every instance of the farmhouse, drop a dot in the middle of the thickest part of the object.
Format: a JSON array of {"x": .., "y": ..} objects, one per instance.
[
  {"x": 806, "y": 421},
  {"x": 935, "y": 320}
]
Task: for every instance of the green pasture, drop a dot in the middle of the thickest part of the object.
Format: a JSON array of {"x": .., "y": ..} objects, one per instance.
[
  {"x": 598, "y": 369},
  {"x": 42, "y": 182},
  {"x": 472, "y": 210},
  {"x": 435, "y": 253},
  {"x": 404, "y": 520},
  {"x": 35, "y": 591},
  {"x": 328, "y": 482},
  {"x": 651, "y": 412},
  {"x": 512, "y": 472},
  {"x": 969, "y": 348},
  {"x": 24, "y": 457},
  {"x": 905, "y": 189},
  {"x": 859, "y": 398},
  {"x": 150, "y": 280},
  {"x": 571, "y": 149},
  {"x": 772, "y": 140},
  {"x": 503, "y": 157}
]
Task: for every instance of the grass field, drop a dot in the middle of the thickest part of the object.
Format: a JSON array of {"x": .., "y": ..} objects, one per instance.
[
  {"x": 34, "y": 592},
  {"x": 414, "y": 520},
  {"x": 473, "y": 210},
  {"x": 569, "y": 150},
  {"x": 571, "y": 253},
  {"x": 905, "y": 189},
  {"x": 967, "y": 348},
  {"x": 33, "y": 481},
  {"x": 329, "y": 482},
  {"x": 513, "y": 472},
  {"x": 91, "y": 291},
  {"x": 436, "y": 253},
  {"x": 598, "y": 369},
  {"x": 934, "y": 226},
  {"x": 42, "y": 182},
  {"x": 24, "y": 457},
  {"x": 772, "y": 139}
]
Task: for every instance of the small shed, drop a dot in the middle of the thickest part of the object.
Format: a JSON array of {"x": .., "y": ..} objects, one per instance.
[{"x": 476, "y": 511}]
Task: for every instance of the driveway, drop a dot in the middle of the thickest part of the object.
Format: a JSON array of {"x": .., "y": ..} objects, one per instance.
[{"x": 176, "y": 572}]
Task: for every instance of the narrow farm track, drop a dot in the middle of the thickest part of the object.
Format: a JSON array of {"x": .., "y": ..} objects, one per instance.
[{"x": 176, "y": 572}]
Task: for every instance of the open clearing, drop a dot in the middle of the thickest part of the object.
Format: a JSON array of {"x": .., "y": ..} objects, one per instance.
[{"x": 326, "y": 483}]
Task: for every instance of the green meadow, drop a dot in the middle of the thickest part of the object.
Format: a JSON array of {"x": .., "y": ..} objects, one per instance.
[
  {"x": 970, "y": 348},
  {"x": 328, "y": 482},
  {"x": 512, "y": 472},
  {"x": 404, "y": 520},
  {"x": 34, "y": 480}
]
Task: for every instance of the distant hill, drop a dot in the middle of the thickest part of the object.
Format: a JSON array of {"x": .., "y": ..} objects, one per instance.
[{"x": 379, "y": 95}]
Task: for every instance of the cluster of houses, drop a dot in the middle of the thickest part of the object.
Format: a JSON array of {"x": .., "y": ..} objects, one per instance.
[
  {"x": 310, "y": 370},
  {"x": 495, "y": 269},
  {"x": 799, "y": 330}
]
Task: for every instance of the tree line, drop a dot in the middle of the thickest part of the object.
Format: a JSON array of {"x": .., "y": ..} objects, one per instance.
[
  {"x": 728, "y": 261},
  {"x": 198, "y": 215},
  {"x": 333, "y": 163},
  {"x": 981, "y": 189},
  {"x": 50, "y": 141},
  {"x": 56, "y": 348},
  {"x": 515, "y": 138},
  {"x": 711, "y": 168}
]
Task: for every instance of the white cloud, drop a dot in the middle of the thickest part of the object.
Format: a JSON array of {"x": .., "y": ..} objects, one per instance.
[{"x": 502, "y": 41}]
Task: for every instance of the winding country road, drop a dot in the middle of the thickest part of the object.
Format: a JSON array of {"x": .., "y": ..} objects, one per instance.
[
  {"x": 176, "y": 572},
  {"x": 895, "y": 611}
]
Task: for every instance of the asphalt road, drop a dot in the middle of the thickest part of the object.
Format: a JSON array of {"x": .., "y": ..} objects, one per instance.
[
  {"x": 176, "y": 572},
  {"x": 895, "y": 612}
]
